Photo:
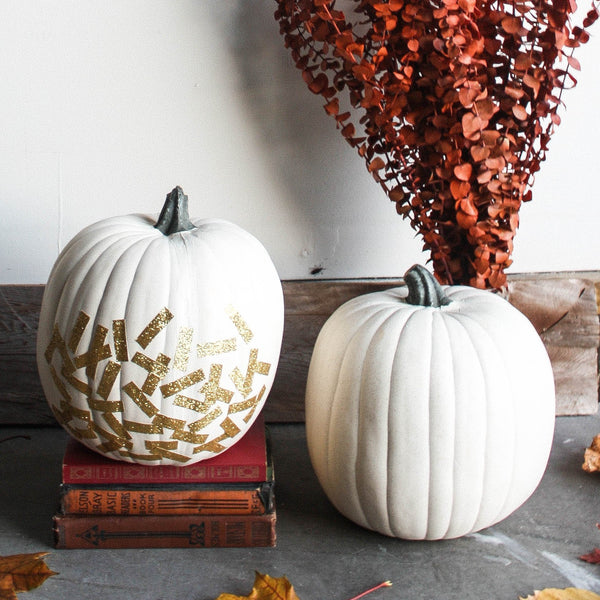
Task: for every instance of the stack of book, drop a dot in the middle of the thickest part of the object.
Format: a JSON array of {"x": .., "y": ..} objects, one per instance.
[{"x": 225, "y": 501}]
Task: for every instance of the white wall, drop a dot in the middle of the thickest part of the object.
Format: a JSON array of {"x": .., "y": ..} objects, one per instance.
[{"x": 106, "y": 106}]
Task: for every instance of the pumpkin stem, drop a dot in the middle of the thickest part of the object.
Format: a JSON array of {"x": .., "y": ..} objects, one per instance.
[
  {"x": 423, "y": 289},
  {"x": 174, "y": 216}
]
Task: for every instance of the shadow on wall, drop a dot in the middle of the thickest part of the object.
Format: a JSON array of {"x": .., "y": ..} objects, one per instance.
[
  {"x": 309, "y": 154},
  {"x": 350, "y": 227}
]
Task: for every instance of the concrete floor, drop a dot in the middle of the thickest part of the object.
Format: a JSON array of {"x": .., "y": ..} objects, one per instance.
[{"x": 324, "y": 555}]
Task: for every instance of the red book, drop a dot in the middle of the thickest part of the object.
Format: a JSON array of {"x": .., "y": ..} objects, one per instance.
[{"x": 245, "y": 461}]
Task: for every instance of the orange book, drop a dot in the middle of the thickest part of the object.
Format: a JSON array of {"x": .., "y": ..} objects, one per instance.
[{"x": 175, "y": 499}]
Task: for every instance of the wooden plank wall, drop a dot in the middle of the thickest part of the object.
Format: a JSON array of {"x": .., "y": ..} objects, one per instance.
[{"x": 563, "y": 307}]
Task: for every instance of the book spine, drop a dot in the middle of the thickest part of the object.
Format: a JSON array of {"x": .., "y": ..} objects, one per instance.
[
  {"x": 127, "y": 473},
  {"x": 107, "y": 531},
  {"x": 165, "y": 502}
]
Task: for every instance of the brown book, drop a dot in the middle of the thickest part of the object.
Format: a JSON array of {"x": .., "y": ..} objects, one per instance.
[
  {"x": 176, "y": 499},
  {"x": 181, "y": 531}
]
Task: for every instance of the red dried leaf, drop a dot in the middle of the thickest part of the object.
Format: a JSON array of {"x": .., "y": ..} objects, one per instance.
[
  {"x": 592, "y": 557},
  {"x": 376, "y": 164},
  {"x": 479, "y": 153},
  {"x": 459, "y": 189},
  {"x": 520, "y": 112},
  {"x": 472, "y": 126},
  {"x": 463, "y": 172},
  {"x": 318, "y": 84},
  {"x": 511, "y": 24},
  {"x": 397, "y": 194}
]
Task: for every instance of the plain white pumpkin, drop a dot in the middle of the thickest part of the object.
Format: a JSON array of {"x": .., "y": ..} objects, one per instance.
[
  {"x": 430, "y": 418},
  {"x": 158, "y": 343}
]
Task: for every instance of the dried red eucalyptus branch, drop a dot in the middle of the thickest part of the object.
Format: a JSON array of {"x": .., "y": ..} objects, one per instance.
[
  {"x": 456, "y": 101},
  {"x": 373, "y": 589}
]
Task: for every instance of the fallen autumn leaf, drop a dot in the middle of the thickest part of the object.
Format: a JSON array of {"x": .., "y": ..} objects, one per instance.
[
  {"x": 266, "y": 588},
  {"x": 21, "y": 573},
  {"x": 279, "y": 588},
  {"x": 593, "y": 557},
  {"x": 563, "y": 594},
  {"x": 591, "y": 458}
]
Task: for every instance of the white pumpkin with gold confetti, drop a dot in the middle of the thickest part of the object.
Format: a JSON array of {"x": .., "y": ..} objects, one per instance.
[{"x": 158, "y": 342}]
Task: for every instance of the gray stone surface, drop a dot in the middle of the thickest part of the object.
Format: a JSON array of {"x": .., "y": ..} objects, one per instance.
[{"x": 323, "y": 554}]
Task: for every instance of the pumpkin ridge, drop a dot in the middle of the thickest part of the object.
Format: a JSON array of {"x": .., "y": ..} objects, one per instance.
[
  {"x": 85, "y": 261},
  {"x": 339, "y": 397},
  {"x": 438, "y": 320},
  {"x": 393, "y": 314},
  {"x": 153, "y": 241},
  {"x": 483, "y": 333},
  {"x": 124, "y": 256},
  {"x": 145, "y": 240},
  {"x": 417, "y": 312},
  {"x": 484, "y": 450},
  {"x": 316, "y": 410},
  {"x": 392, "y": 376}
]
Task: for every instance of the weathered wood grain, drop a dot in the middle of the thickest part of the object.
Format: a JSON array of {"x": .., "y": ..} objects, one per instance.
[
  {"x": 562, "y": 306},
  {"x": 565, "y": 314}
]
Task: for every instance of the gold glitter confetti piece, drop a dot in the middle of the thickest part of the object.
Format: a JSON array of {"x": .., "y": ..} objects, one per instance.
[
  {"x": 120, "y": 340},
  {"x": 202, "y": 423},
  {"x": 105, "y": 405},
  {"x": 182, "y": 351},
  {"x": 241, "y": 325},
  {"x": 136, "y": 427},
  {"x": 153, "y": 328},
  {"x": 157, "y": 370},
  {"x": 164, "y": 444},
  {"x": 211, "y": 389},
  {"x": 244, "y": 383},
  {"x": 81, "y": 434},
  {"x": 169, "y": 389},
  {"x": 165, "y": 450},
  {"x": 74, "y": 412},
  {"x": 189, "y": 437},
  {"x": 115, "y": 440},
  {"x": 60, "y": 386},
  {"x": 139, "y": 457},
  {"x": 109, "y": 446},
  {"x": 249, "y": 415},
  {"x": 159, "y": 367},
  {"x": 134, "y": 392},
  {"x": 220, "y": 347},
  {"x": 111, "y": 371},
  {"x": 246, "y": 404},
  {"x": 230, "y": 428},
  {"x": 116, "y": 425},
  {"x": 212, "y": 446},
  {"x": 168, "y": 422},
  {"x": 77, "y": 331},
  {"x": 98, "y": 351},
  {"x": 57, "y": 343},
  {"x": 60, "y": 416},
  {"x": 80, "y": 386},
  {"x": 200, "y": 406}
]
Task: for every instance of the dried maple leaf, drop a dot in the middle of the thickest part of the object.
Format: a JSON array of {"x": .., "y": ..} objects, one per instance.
[
  {"x": 591, "y": 458},
  {"x": 593, "y": 557},
  {"x": 266, "y": 588},
  {"x": 21, "y": 573},
  {"x": 563, "y": 594}
]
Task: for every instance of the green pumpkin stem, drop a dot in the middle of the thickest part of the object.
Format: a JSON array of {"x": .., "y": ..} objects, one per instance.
[
  {"x": 423, "y": 289},
  {"x": 174, "y": 216}
]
